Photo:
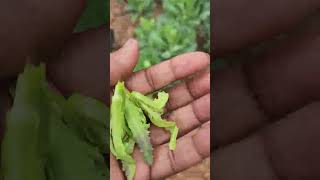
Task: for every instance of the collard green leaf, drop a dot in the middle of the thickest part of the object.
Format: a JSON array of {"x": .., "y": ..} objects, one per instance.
[
  {"x": 139, "y": 128},
  {"x": 70, "y": 157},
  {"x": 23, "y": 147}
]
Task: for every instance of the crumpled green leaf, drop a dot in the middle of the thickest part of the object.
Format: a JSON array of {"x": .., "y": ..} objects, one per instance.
[
  {"x": 154, "y": 109},
  {"x": 129, "y": 125},
  {"x": 156, "y": 104},
  {"x": 118, "y": 131},
  {"x": 155, "y": 118},
  {"x": 139, "y": 127}
]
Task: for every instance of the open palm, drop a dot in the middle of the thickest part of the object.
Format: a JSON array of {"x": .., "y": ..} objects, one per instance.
[
  {"x": 188, "y": 106},
  {"x": 267, "y": 111}
]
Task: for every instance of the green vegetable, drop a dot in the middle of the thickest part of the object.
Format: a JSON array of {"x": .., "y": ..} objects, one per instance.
[
  {"x": 50, "y": 138},
  {"x": 118, "y": 131},
  {"x": 129, "y": 125},
  {"x": 24, "y": 149},
  {"x": 139, "y": 127},
  {"x": 156, "y": 119},
  {"x": 156, "y": 104}
]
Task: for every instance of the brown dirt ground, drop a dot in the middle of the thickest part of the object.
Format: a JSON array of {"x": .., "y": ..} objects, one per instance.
[
  {"x": 123, "y": 30},
  {"x": 120, "y": 23}
]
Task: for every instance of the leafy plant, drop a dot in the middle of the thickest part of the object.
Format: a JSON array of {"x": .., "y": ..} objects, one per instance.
[
  {"x": 50, "y": 137},
  {"x": 139, "y": 7},
  {"x": 173, "y": 32},
  {"x": 163, "y": 38},
  {"x": 205, "y": 33},
  {"x": 205, "y": 24},
  {"x": 188, "y": 12}
]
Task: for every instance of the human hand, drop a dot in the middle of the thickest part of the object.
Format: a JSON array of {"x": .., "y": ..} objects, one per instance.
[
  {"x": 266, "y": 111},
  {"x": 188, "y": 106}
]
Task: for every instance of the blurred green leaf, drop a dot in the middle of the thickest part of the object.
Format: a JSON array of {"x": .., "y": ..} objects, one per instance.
[
  {"x": 174, "y": 32},
  {"x": 138, "y": 7},
  {"x": 95, "y": 15}
]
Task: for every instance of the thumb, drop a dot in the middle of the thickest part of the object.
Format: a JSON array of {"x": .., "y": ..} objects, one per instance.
[{"x": 123, "y": 61}]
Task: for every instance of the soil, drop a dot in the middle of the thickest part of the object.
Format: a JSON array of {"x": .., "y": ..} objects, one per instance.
[
  {"x": 120, "y": 23},
  {"x": 123, "y": 30}
]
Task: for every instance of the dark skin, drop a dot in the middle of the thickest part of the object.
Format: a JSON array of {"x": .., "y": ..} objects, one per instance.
[
  {"x": 267, "y": 111},
  {"x": 188, "y": 106}
]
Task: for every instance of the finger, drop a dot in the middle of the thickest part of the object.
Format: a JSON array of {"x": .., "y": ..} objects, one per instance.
[
  {"x": 34, "y": 28},
  {"x": 123, "y": 61},
  {"x": 160, "y": 75},
  {"x": 255, "y": 21},
  {"x": 115, "y": 170},
  {"x": 187, "y": 118},
  {"x": 188, "y": 91},
  {"x": 287, "y": 149},
  {"x": 267, "y": 89},
  {"x": 82, "y": 67},
  {"x": 190, "y": 150},
  {"x": 142, "y": 168}
]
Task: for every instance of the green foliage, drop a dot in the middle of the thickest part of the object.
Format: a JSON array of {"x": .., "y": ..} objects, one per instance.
[
  {"x": 95, "y": 15},
  {"x": 49, "y": 137},
  {"x": 174, "y": 32},
  {"x": 139, "y": 7},
  {"x": 129, "y": 125},
  {"x": 187, "y": 12},
  {"x": 205, "y": 25},
  {"x": 205, "y": 34},
  {"x": 163, "y": 38}
]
